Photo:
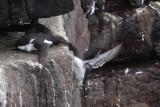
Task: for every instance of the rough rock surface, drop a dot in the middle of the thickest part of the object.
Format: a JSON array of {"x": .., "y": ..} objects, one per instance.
[
  {"x": 127, "y": 81},
  {"x": 137, "y": 28},
  {"x": 26, "y": 83},
  {"x": 76, "y": 27},
  {"x": 132, "y": 84}
]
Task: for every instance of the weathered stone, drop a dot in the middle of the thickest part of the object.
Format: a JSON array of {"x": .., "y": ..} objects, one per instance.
[
  {"x": 22, "y": 12},
  {"x": 76, "y": 27},
  {"x": 135, "y": 88},
  {"x": 138, "y": 31},
  {"x": 127, "y": 83},
  {"x": 25, "y": 82}
]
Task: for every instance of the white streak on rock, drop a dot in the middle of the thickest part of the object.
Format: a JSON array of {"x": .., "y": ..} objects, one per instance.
[
  {"x": 3, "y": 89},
  {"x": 35, "y": 86},
  {"x": 20, "y": 99},
  {"x": 52, "y": 81},
  {"x": 34, "y": 64}
]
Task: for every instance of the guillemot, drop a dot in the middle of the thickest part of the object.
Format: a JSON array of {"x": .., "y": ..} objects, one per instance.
[
  {"x": 39, "y": 38},
  {"x": 38, "y": 42}
]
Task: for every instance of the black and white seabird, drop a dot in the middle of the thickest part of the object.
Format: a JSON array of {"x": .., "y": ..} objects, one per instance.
[
  {"x": 38, "y": 38},
  {"x": 38, "y": 42}
]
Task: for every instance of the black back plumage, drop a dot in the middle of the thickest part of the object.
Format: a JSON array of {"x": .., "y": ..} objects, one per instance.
[{"x": 24, "y": 40}]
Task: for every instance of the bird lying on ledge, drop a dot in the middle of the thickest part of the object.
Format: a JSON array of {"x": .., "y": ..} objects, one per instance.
[
  {"x": 39, "y": 38},
  {"x": 38, "y": 42}
]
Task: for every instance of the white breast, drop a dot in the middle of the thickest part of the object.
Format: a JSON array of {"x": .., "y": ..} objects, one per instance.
[
  {"x": 29, "y": 47},
  {"x": 79, "y": 69}
]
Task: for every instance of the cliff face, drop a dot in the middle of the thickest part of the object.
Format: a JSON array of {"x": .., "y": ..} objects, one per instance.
[
  {"x": 132, "y": 79},
  {"x": 134, "y": 83},
  {"x": 76, "y": 27},
  {"x": 26, "y": 83}
]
